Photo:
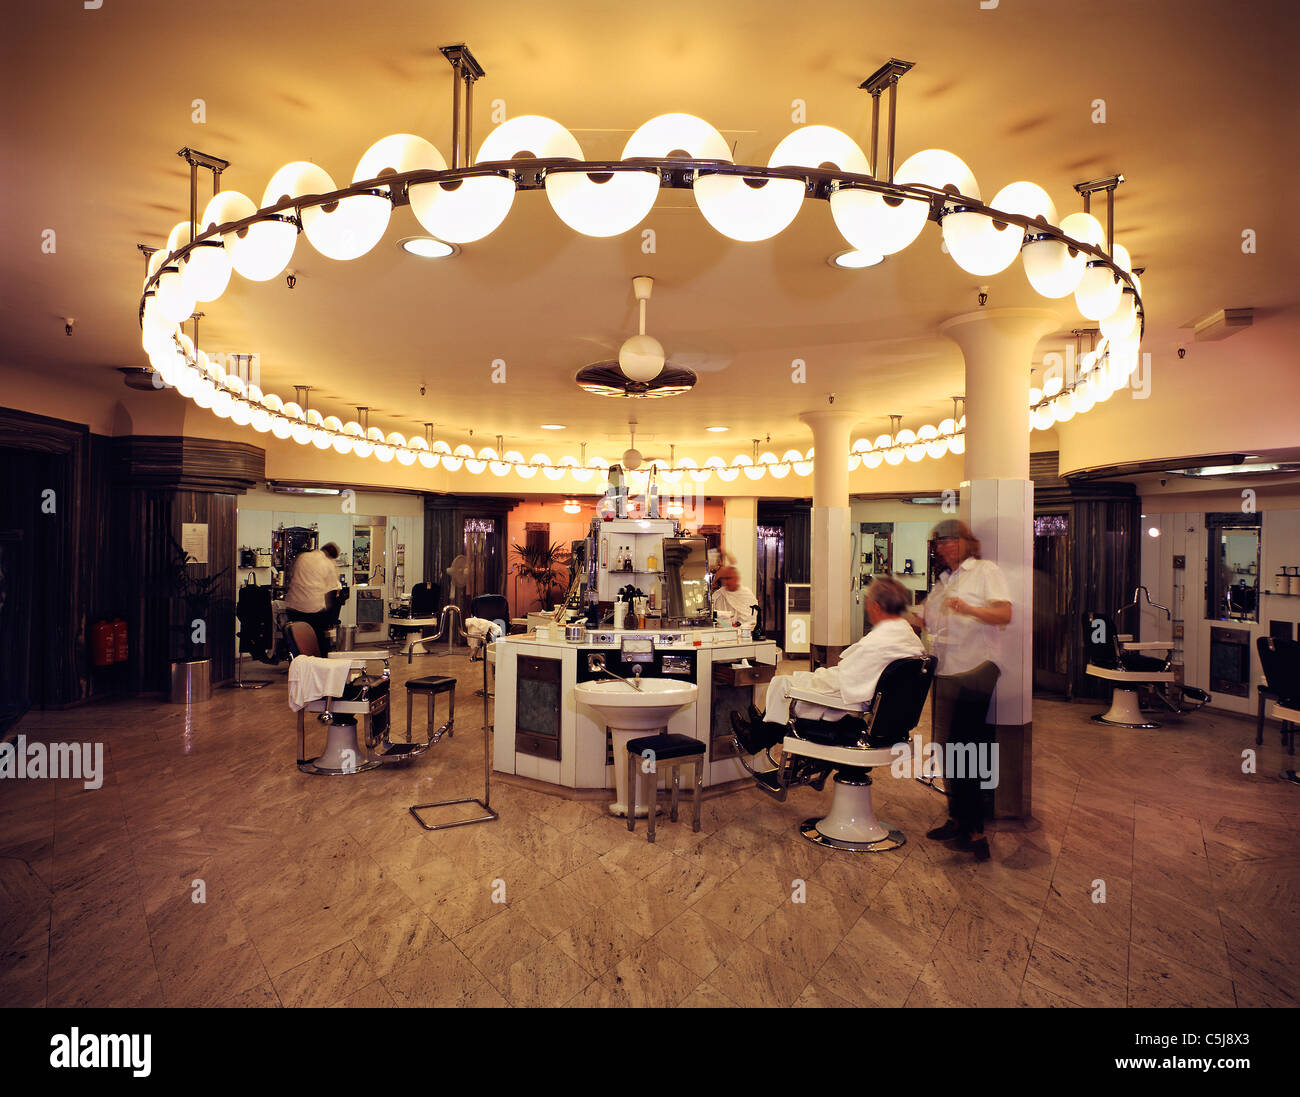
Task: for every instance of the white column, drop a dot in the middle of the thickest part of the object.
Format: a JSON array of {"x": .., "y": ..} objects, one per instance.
[
  {"x": 997, "y": 502},
  {"x": 740, "y": 536},
  {"x": 831, "y": 526}
]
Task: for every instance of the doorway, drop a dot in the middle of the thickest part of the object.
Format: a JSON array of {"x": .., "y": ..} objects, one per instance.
[
  {"x": 783, "y": 556},
  {"x": 1053, "y": 636},
  {"x": 770, "y": 580}
]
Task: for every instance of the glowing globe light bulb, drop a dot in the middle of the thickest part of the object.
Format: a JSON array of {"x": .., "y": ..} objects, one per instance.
[
  {"x": 748, "y": 209},
  {"x": 641, "y": 358},
  {"x": 466, "y": 210},
  {"x": 262, "y": 250},
  {"x": 610, "y": 203},
  {"x": 1119, "y": 325}
]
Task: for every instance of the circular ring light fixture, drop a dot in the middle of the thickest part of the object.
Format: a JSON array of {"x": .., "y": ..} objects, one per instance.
[{"x": 461, "y": 204}]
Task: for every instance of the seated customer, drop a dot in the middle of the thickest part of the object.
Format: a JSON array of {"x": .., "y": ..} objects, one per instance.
[{"x": 852, "y": 680}]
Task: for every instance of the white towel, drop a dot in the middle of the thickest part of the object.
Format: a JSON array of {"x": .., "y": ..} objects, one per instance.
[
  {"x": 823, "y": 680},
  {"x": 480, "y": 633},
  {"x": 311, "y": 678}
]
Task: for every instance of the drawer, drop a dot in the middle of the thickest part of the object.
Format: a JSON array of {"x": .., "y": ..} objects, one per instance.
[{"x": 727, "y": 675}]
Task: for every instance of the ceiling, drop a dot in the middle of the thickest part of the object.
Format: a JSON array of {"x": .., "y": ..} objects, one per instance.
[{"x": 106, "y": 100}]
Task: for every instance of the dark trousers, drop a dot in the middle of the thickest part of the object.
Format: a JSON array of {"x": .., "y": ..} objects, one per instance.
[
  {"x": 321, "y": 622},
  {"x": 961, "y": 709}
]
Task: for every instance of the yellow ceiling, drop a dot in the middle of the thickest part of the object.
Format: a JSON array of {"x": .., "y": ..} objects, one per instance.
[{"x": 1200, "y": 100}]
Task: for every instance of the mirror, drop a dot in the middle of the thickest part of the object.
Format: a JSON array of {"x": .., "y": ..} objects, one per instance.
[
  {"x": 1232, "y": 587},
  {"x": 686, "y": 582}
]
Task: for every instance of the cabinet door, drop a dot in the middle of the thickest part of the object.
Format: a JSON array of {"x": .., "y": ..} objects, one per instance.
[{"x": 537, "y": 707}]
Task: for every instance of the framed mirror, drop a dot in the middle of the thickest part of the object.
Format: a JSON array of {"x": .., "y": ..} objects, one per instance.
[
  {"x": 686, "y": 579},
  {"x": 1232, "y": 568}
]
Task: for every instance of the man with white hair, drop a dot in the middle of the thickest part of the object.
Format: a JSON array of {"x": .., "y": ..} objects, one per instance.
[
  {"x": 729, "y": 597},
  {"x": 852, "y": 680}
]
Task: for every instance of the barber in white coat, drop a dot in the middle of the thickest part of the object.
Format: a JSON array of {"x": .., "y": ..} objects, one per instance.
[
  {"x": 853, "y": 680},
  {"x": 965, "y": 614},
  {"x": 729, "y": 597}
]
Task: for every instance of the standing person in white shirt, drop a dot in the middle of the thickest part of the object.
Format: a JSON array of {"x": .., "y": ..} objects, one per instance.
[
  {"x": 965, "y": 614},
  {"x": 314, "y": 575},
  {"x": 730, "y": 597},
  {"x": 852, "y": 680}
]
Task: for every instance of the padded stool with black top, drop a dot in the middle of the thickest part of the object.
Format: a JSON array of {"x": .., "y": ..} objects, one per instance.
[
  {"x": 430, "y": 686},
  {"x": 670, "y": 750}
]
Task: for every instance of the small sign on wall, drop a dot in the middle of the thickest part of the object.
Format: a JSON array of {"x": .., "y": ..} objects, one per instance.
[{"x": 194, "y": 542}]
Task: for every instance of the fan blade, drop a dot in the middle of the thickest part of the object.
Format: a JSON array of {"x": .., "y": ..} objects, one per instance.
[{"x": 699, "y": 361}]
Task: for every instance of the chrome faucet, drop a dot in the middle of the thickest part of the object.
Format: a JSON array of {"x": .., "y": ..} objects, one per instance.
[{"x": 596, "y": 663}]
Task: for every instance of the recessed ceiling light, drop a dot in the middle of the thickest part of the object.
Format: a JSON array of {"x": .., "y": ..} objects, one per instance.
[
  {"x": 855, "y": 260},
  {"x": 552, "y": 426},
  {"x": 426, "y": 247},
  {"x": 716, "y": 430}
]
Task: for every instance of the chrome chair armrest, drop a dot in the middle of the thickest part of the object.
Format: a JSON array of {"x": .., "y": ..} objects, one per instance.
[{"x": 827, "y": 700}]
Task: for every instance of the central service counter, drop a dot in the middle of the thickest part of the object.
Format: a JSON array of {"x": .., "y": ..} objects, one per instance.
[{"x": 544, "y": 733}]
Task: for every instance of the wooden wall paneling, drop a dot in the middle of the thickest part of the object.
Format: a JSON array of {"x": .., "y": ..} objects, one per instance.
[
  {"x": 49, "y": 454},
  {"x": 1104, "y": 556},
  {"x": 1106, "y": 570},
  {"x": 98, "y": 536}
]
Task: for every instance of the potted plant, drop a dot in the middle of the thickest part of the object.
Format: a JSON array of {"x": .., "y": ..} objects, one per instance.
[
  {"x": 538, "y": 565},
  {"x": 189, "y": 598}
]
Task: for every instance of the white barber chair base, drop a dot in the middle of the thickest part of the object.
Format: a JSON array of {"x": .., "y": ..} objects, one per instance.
[
  {"x": 851, "y": 824},
  {"x": 1124, "y": 711},
  {"x": 342, "y": 755}
]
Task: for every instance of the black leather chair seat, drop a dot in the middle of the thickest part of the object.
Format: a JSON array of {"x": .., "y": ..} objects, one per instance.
[
  {"x": 432, "y": 683},
  {"x": 844, "y": 732},
  {"x": 1141, "y": 663},
  {"x": 666, "y": 745},
  {"x": 847, "y": 733}
]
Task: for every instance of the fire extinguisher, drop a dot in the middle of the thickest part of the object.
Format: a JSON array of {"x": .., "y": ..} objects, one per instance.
[
  {"x": 121, "y": 645},
  {"x": 101, "y": 644}
]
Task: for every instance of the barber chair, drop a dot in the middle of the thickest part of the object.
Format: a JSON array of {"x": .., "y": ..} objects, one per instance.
[
  {"x": 424, "y": 599},
  {"x": 366, "y": 696},
  {"x": 418, "y": 615},
  {"x": 494, "y": 607},
  {"x": 849, "y": 748},
  {"x": 1131, "y": 673},
  {"x": 1280, "y": 662}
]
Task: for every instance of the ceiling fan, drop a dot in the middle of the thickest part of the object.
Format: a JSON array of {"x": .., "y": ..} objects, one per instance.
[
  {"x": 634, "y": 459},
  {"x": 642, "y": 368}
]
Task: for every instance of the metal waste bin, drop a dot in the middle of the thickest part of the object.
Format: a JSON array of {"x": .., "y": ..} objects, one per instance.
[
  {"x": 346, "y": 638},
  {"x": 191, "y": 682}
]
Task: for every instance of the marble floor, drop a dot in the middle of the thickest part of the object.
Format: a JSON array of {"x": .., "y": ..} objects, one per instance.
[{"x": 324, "y": 891}]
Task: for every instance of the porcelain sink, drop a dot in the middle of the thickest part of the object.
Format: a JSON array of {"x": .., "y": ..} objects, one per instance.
[
  {"x": 645, "y": 710},
  {"x": 629, "y": 713}
]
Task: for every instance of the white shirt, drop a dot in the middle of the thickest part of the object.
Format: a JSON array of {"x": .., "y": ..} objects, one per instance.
[
  {"x": 736, "y": 602},
  {"x": 314, "y": 573},
  {"x": 960, "y": 642},
  {"x": 852, "y": 679}
]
